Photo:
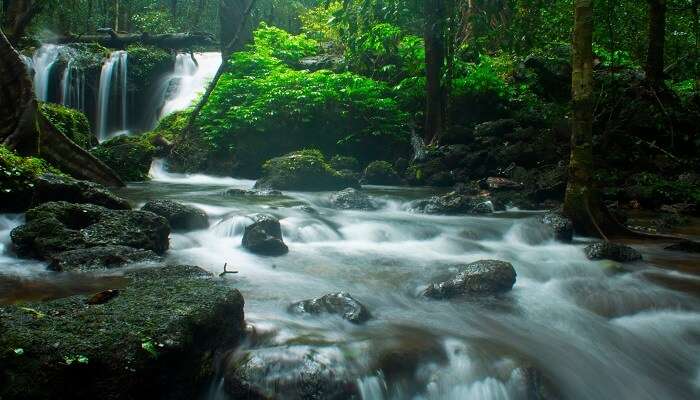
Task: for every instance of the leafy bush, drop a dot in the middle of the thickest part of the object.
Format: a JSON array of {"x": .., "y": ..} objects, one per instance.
[
  {"x": 318, "y": 22},
  {"x": 275, "y": 42},
  {"x": 653, "y": 190}
]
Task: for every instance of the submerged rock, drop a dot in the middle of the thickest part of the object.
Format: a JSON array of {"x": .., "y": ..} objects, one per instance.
[
  {"x": 155, "y": 339},
  {"x": 352, "y": 199},
  {"x": 180, "y": 216},
  {"x": 100, "y": 257},
  {"x": 562, "y": 227},
  {"x": 485, "y": 277},
  {"x": 342, "y": 304},
  {"x": 264, "y": 236},
  {"x": 305, "y": 170},
  {"x": 252, "y": 193},
  {"x": 685, "y": 246},
  {"x": 454, "y": 203},
  {"x": 380, "y": 173},
  {"x": 56, "y": 227},
  {"x": 52, "y": 187},
  {"x": 611, "y": 251},
  {"x": 293, "y": 373}
]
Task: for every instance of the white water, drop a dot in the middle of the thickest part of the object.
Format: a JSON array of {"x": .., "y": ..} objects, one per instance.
[
  {"x": 594, "y": 334},
  {"x": 188, "y": 81},
  {"x": 73, "y": 87},
  {"x": 43, "y": 62},
  {"x": 113, "y": 83}
]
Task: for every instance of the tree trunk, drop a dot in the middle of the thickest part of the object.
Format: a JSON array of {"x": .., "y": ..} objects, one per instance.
[
  {"x": 434, "y": 35},
  {"x": 24, "y": 129},
  {"x": 17, "y": 16},
  {"x": 657, "y": 39}
]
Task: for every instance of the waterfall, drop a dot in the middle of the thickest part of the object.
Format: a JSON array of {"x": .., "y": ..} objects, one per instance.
[
  {"x": 43, "y": 62},
  {"x": 73, "y": 87},
  {"x": 189, "y": 79},
  {"x": 114, "y": 69}
]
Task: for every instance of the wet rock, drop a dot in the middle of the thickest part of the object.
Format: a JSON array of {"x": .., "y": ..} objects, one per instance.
[
  {"x": 180, "y": 216},
  {"x": 685, "y": 246},
  {"x": 129, "y": 156},
  {"x": 102, "y": 297},
  {"x": 341, "y": 163},
  {"x": 57, "y": 227},
  {"x": 399, "y": 357},
  {"x": 264, "y": 236},
  {"x": 561, "y": 227},
  {"x": 52, "y": 187},
  {"x": 304, "y": 170},
  {"x": 156, "y": 339},
  {"x": 293, "y": 373},
  {"x": 499, "y": 183},
  {"x": 352, "y": 199},
  {"x": 454, "y": 203},
  {"x": 380, "y": 173},
  {"x": 611, "y": 251},
  {"x": 101, "y": 257},
  {"x": 496, "y": 128},
  {"x": 252, "y": 193},
  {"x": 485, "y": 277},
  {"x": 323, "y": 61},
  {"x": 342, "y": 304}
]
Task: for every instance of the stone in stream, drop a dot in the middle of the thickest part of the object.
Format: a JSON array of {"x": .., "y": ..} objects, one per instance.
[
  {"x": 155, "y": 339},
  {"x": 180, "y": 216},
  {"x": 57, "y": 227},
  {"x": 101, "y": 257},
  {"x": 52, "y": 187},
  {"x": 252, "y": 193},
  {"x": 304, "y": 170},
  {"x": 264, "y": 236},
  {"x": 352, "y": 199},
  {"x": 380, "y": 173},
  {"x": 611, "y": 251},
  {"x": 485, "y": 277},
  {"x": 342, "y": 304},
  {"x": 561, "y": 227},
  {"x": 454, "y": 203},
  {"x": 292, "y": 373}
]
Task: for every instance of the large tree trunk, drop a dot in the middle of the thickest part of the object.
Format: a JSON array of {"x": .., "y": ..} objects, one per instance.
[
  {"x": 434, "y": 35},
  {"x": 24, "y": 129},
  {"x": 657, "y": 40},
  {"x": 113, "y": 40},
  {"x": 17, "y": 16}
]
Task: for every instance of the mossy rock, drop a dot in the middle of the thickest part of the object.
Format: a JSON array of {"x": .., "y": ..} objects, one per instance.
[
  {"x": 18, "y": 178},
  {"x": 304, "y": 170},
  {"x": 381, "y": 173},
  {"x": 129, "y": 156},
  {"x": 156, "y": 339},
  {"x": 72, "y": 123},
  {"x": 347, "y": 163}
]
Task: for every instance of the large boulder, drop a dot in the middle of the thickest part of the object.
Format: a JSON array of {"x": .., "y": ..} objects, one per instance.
[
  {"x": 345, "y": 163},
  {"x": 455, "y": 203},
  {"x": 153, "y": 338},
  {"x": 129, "y": 156},
  {"x": 54, "y": 228},
  {"x": 380, "y": 173},
  {"x": 611, "y": 251},
  {"x": 53, "y": 187},
  {"x": 561, "y": 227},
  {"x": 180, "y": 216},
  {"x": 304, "y": 170},
  {"x": 352, "y": 199},
  {"x": 485, "y": 277},
  {"x": 293, "y": 373},
  {"x": 264, "y": 236},
  {"x": 342, "y": 304},
  {"x": 101, "y": 257}
]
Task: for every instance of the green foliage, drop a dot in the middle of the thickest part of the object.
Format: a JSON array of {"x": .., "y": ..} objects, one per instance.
[
  {"x": 171, "y": 127},
  {"x": 341, "y": 163},
  {"x": 17, "y": 176},
  {"x": 654, "y": 190},
  {"x": 319, "y": 22},
  {"x": 72, "y": 123},
  {"x": 277, "y": 43},
  {"x": 146, "y": 63},
  {"x": 153, "y": 19},
  {"x": 129, "y": 156}
]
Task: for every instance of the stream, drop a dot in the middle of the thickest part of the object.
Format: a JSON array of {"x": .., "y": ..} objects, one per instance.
[{"x": 594, "y": 332}]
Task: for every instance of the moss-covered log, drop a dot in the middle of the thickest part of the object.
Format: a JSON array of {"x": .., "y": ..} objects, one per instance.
[{"x": 113, "y": 40}]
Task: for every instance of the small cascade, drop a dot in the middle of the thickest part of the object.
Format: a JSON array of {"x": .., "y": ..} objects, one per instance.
[
  {"x": 73, "y": 87},
  {"x": 189, "y": 79},
  {"x": 113, "y": 83},
  {"x": 43, "y": 62}
]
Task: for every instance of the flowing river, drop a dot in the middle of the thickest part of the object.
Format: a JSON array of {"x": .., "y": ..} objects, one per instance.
[{"x": 595, "y": 332}]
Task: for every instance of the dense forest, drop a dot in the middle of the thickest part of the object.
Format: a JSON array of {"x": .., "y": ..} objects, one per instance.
[{"x": 478, "y": 199}]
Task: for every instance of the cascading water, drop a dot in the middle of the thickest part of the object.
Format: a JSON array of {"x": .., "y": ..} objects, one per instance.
[
  {"x": 189, "y": 79},
  {"x": 113, "y": 83},
  {"x": 73, "y": 87},
  {"x": 43, "y": 62}
]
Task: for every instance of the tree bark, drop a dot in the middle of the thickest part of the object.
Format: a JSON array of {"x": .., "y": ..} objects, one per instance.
[
  {"x": 657, "y": 40},
  {"x": 18, "y": 15},
  {"x": 175, "y": 41},
  {"x": 434, "y": 35},
  {"x": 24, "y": 129}
]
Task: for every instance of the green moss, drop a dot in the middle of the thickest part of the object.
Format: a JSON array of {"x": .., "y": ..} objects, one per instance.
[
  {"x": 146, "y": 63},
  {"x": 163, "y": 318},
  {"x": 129, "y": 156},
  {"x": 381, "y": 173},
  {"x": 302, "y": 170},
  {"x": 340, "y": 163},
  {"x": 72, "y": 123},
  {"x": 88, "y": 56},
  {"x": 17, "y": 175}
]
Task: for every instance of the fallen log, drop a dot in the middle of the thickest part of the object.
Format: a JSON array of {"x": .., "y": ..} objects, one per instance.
[{"x": 111, "y": 39}]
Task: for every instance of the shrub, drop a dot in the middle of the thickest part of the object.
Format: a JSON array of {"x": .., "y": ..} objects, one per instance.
[{"x": 275, "y": 42}]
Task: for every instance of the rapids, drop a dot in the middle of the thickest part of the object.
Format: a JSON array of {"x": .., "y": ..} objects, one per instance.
[{"x": 595, "y": 332}]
